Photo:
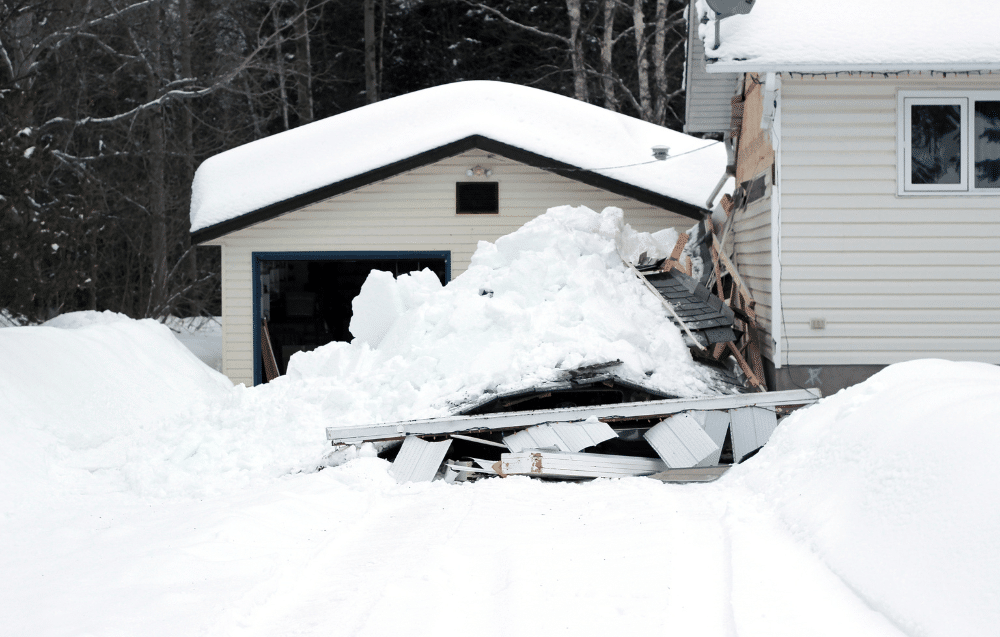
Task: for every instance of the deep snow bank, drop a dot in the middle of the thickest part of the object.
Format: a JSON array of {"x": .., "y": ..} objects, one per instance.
[
  {"x": 78, "y": 392},
  {"x": 894, "y": 484}
]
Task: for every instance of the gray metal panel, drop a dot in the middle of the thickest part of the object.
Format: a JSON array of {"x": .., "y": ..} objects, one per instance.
[
  {"x": 681, "y": 441},
  {"x": 715, "y": 424},
  {"x": 569, "y": 437},
  {"x": 522, "y": 419},
  {"x": 752, "y": 428},
  {"x": 418, "y": 460}
]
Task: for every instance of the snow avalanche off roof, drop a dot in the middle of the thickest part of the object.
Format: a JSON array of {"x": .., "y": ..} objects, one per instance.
[{"x": 580, "y": 141}]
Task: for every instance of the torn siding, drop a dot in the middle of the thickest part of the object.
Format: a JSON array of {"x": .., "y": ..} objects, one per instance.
[{"x": 752, "y": 226}]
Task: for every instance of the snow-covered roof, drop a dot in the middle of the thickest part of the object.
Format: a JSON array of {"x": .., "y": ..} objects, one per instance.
[
  {"x": 856, "y": 35},
  {"x": 283, "y": 171}
]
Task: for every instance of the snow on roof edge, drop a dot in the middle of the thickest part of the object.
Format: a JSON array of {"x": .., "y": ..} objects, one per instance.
[{"x": 612, "y": 146}]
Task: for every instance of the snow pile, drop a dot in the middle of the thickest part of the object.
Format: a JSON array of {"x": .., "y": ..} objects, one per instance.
[
  {"x": 298, "y": 161},
  {"x": 889, "y": 35},
  {"x": 82, "y": 393},
  {"x": 551, "y": 297},
  {"x": 893, "y": 484}
]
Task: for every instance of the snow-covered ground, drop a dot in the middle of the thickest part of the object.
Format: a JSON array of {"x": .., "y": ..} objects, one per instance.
[{"x": 142, "y": 494}]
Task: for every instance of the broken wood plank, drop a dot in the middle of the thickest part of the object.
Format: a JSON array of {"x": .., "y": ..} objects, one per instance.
[
  {"x": 267, "y": 353},
  {"x": 606, "y": 413},
  {"x": 569, "y": 437},
  {"x": 756, "y": 382},
  {"x": 694, "y": 474},
  {"x": 418, "y": 460},
  {"x": 553, "y": 464},
  {"x": 744, "y": 290},
  {"x": 681, "y": 442}
]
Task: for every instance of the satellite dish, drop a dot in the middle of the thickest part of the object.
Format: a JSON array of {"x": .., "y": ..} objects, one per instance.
[{"x": 726, "y": 8}]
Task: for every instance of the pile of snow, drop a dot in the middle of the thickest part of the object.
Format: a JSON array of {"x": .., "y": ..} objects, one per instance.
[
  {"x": 124, "y": 402},
  {"x": 893, "y": 484},
  {"x": 889, "y": 35},
  {"x": 298, "y": 161},
  {"x": 549, "y": 298},
  {"x": 200, "y": 334},
  {"x": 91, "y": 393}
]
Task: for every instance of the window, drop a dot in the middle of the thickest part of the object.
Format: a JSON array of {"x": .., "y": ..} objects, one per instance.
[
  {"x": 949, "y": 142},
  {"x": 477, "y": 197}
]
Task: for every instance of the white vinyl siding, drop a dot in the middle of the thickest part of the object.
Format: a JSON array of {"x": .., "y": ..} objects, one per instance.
[
  {"x": 708, "y": 98},
  {"x": 895, "y": 277},
  {"x": 414, "y": 211}
]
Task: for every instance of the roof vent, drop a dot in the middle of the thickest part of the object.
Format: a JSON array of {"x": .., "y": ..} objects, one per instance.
[{"x": 726, "y": 8}]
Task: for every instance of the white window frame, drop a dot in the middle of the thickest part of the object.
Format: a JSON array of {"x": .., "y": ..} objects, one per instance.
[{"x": 965, "y": 100}]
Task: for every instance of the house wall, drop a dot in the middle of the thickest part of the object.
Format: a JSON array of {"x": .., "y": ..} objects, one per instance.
[
  {"x": 414, "y": 211},
  {"x": 752, "y": 224},
  {"x": 708, "y": 98},
  {"x": 894, "y": 277}
]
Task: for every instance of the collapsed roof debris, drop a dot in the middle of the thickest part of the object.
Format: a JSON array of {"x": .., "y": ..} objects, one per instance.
[
  {"x": 594, "y": 419},
  {"x": 699, "y": 433}
]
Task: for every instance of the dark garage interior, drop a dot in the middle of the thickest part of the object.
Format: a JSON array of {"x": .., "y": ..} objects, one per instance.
[{"x": 307, "y": 303}]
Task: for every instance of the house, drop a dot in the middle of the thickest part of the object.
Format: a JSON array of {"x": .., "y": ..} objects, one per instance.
[
  {"x": 865, "y": 140},
  {"x": 416, "y": 182}
]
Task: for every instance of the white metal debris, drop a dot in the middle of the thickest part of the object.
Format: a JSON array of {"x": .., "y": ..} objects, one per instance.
[
  {"x": 569, "y": 437},
  {"x": 716, "y": 425},
  {"x": 681, "y": 442},
  {"x": 418, "y": 460},
  {"x": 752, "y": 428},
  {"x": 523, "y": 419},
  {"x": 555, "y": 464}
]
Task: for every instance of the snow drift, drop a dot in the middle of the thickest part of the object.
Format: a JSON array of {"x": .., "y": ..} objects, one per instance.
[{"x": 893, "y": 484}]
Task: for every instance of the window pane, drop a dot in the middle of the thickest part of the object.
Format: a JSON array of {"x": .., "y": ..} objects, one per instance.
[
  {"x": 987, "y": 144},
  {"x": 936, "y": 139}
]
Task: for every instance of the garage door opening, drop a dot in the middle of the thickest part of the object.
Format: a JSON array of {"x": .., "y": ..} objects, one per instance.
[{"x": 303, "y": 300}]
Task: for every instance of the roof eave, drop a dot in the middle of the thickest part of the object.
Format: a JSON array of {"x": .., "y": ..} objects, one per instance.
[
  {"x": 451, "y": 149},
  {"x": 749, "y": 66}
]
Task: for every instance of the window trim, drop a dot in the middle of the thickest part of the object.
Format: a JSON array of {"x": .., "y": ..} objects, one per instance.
[{"x": 965, "y": 99}]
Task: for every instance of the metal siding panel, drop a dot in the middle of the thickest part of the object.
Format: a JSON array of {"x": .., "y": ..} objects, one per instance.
[
  {"x": 570, "y": 437},
  {"x": 716, "y": 425},
  {"x": 681, "y": 442},
  {"x": 752, "y": 428},
  {"x": 418, "y": 460},
  {"x": 577, "y": 465}
]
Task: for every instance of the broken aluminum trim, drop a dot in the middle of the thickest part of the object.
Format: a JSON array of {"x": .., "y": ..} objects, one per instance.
[
  {"x": 752, "y": 428},
  {"x": 716, "y": 425},
  {"x": 554, "y": 464},
  {"x": 606, "y": 413},
  {"x": 681, "y": 442},
  {"x": 569, "y": 437},
  {"x": 418, "y": 460}
]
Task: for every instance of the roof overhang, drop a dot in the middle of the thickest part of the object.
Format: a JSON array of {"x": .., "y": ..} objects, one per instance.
[
  {"x": 451, "y": 149},
  {"x": 749, "y": 66}
]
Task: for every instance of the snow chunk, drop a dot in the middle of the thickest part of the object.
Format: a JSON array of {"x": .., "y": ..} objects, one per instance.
[
  {"x": 298, "y": 161},
  {"x": 884, "y": 482}
]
